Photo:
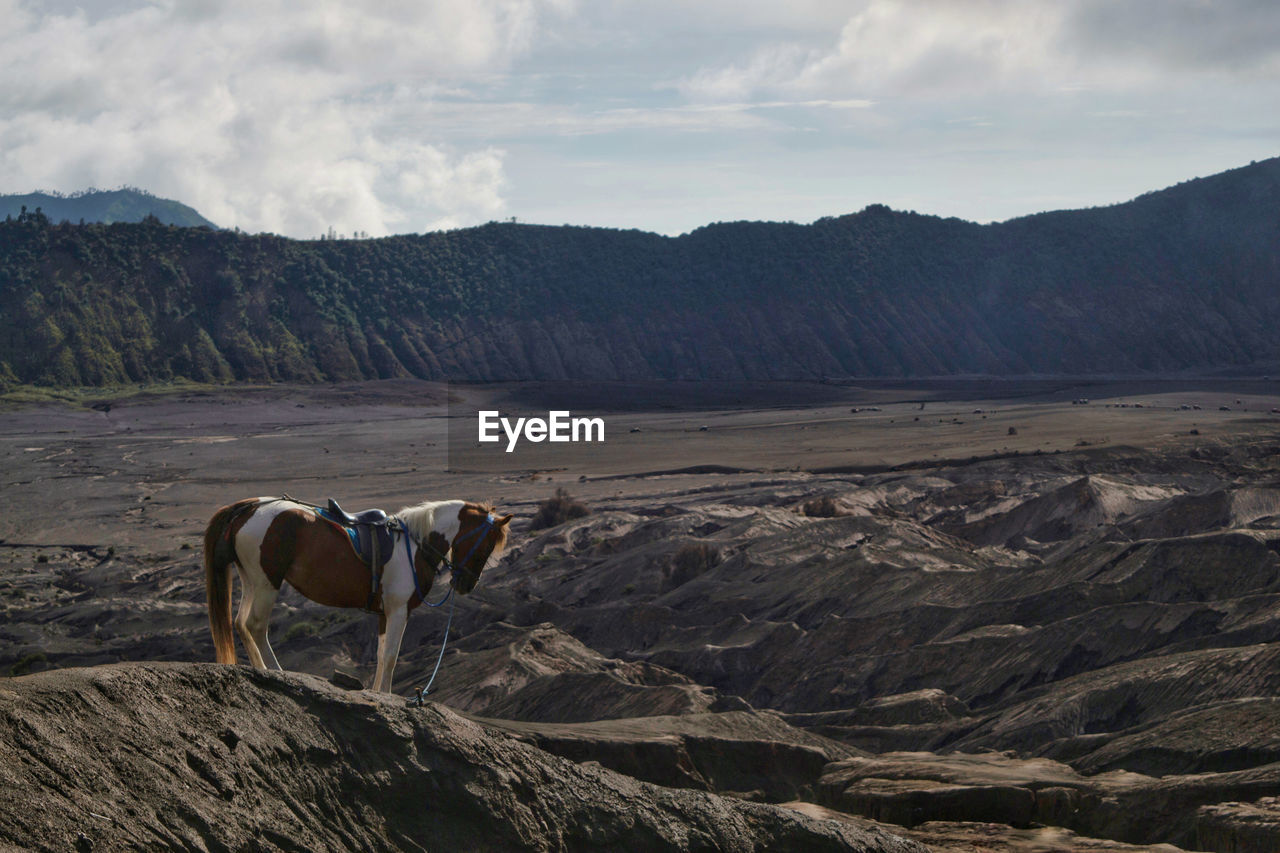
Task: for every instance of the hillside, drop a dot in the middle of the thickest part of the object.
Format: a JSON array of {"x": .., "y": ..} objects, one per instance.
[
  {"x": 203, "y": 757},
  {"x": 106, "y": 206},
  {"x": 1181, "y": 279}
]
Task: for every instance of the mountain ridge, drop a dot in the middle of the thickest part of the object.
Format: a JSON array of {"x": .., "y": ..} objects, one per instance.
[
  {"x": 1180, "y": 279},
  {"x": 127, "y": 204}
]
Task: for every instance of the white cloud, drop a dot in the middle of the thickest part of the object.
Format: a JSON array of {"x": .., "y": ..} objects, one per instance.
[
  {"x": 411, "y": 114},
  {"x": 893, "y": 48},
  {"x": 932, "y": 48},
  {"x": 257, "y": 114}
]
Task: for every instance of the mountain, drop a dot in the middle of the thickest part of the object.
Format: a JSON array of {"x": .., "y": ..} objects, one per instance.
[
  {"x": 122, "y": 205},
  {"x": 1180, "y": 279}
]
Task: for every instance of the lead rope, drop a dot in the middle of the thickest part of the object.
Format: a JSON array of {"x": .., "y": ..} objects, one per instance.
[{"x": 420, "y": 694}]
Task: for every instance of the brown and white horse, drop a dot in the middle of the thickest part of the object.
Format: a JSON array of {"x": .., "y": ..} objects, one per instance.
[{"x": 272, "y": 540}]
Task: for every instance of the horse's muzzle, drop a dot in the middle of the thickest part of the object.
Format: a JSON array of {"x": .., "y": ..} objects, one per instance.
[{"x": 464, "y": 580}]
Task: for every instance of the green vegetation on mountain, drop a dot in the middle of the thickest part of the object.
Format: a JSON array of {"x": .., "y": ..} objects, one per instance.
[
  {"x": 1184, "y": 278},
  {"x": 107, "y": 206}
]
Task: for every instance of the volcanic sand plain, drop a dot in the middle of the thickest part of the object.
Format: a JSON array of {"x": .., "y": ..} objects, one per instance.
[
  {"x": 104, "y": 503},
  {"x": 147, "y": 470}
]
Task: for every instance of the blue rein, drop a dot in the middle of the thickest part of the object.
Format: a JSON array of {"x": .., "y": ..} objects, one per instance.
[{"x": 421, "y": 692}]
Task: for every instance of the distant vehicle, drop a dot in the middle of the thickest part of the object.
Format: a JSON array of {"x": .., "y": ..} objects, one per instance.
[
  {"x": 702, "y": 428},
  {"x": 1186, "y": 407},
  {"x": 1275, "y": 411},
  {"x": 1224, "y": 408},
  {"x": 873, "y": 408},
  {"x": 1197, "y": 408},
  {"x": 977, "y": 411},
  {"x": 635, "y": 429}
]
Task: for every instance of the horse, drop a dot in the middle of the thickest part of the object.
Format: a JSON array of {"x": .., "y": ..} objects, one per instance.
[{"x": 273, "y": 540}]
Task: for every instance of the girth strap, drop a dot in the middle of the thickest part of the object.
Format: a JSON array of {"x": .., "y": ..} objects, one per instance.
[{"x": 375, "y": 575}]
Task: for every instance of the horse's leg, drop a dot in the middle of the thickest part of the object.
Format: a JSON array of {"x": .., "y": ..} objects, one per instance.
[
  {"x": 389, "y": 647},
  {"x": 256, "y": 600},
  {"x": 259, "y": 615},
  {"x": 382, "y": 648},
  {"x": 242, "y": 622}
]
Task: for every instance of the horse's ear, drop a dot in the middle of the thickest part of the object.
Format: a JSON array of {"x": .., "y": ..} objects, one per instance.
[{"x": 505, "y": 520}]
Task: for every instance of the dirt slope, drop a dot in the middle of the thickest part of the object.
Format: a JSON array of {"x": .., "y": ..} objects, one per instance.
[{"x": 207, "y": 757}]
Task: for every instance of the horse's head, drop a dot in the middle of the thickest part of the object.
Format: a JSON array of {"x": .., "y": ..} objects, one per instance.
[{"x": 481, "y": 534}]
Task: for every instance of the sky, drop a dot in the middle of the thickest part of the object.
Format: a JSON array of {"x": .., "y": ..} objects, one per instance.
[{"x": 404, "y": 116}]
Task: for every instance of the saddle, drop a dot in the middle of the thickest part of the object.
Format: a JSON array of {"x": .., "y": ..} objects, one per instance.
[
  {"x": 346, "y": 519},
  {"x": 372, "y": 537}
]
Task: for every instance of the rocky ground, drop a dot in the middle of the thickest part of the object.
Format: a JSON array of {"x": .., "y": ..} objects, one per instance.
[
  {"x": 208, "y": 757},
  {"x": 1016, "y": 651}
]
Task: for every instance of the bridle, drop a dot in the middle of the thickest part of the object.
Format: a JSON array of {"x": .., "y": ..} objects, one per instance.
[{"x": 456, "y": 568}]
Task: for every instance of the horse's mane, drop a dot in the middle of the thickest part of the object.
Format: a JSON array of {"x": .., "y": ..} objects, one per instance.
[{"x": 421, "y": 519}]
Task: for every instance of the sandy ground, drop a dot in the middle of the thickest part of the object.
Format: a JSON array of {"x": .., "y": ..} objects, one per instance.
[
  {"x": 103, "y": 506},
  {"x": 147, "y": 472}
]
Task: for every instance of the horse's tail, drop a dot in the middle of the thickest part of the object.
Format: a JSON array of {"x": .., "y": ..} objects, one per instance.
[{"x": 219, "y": 554}]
